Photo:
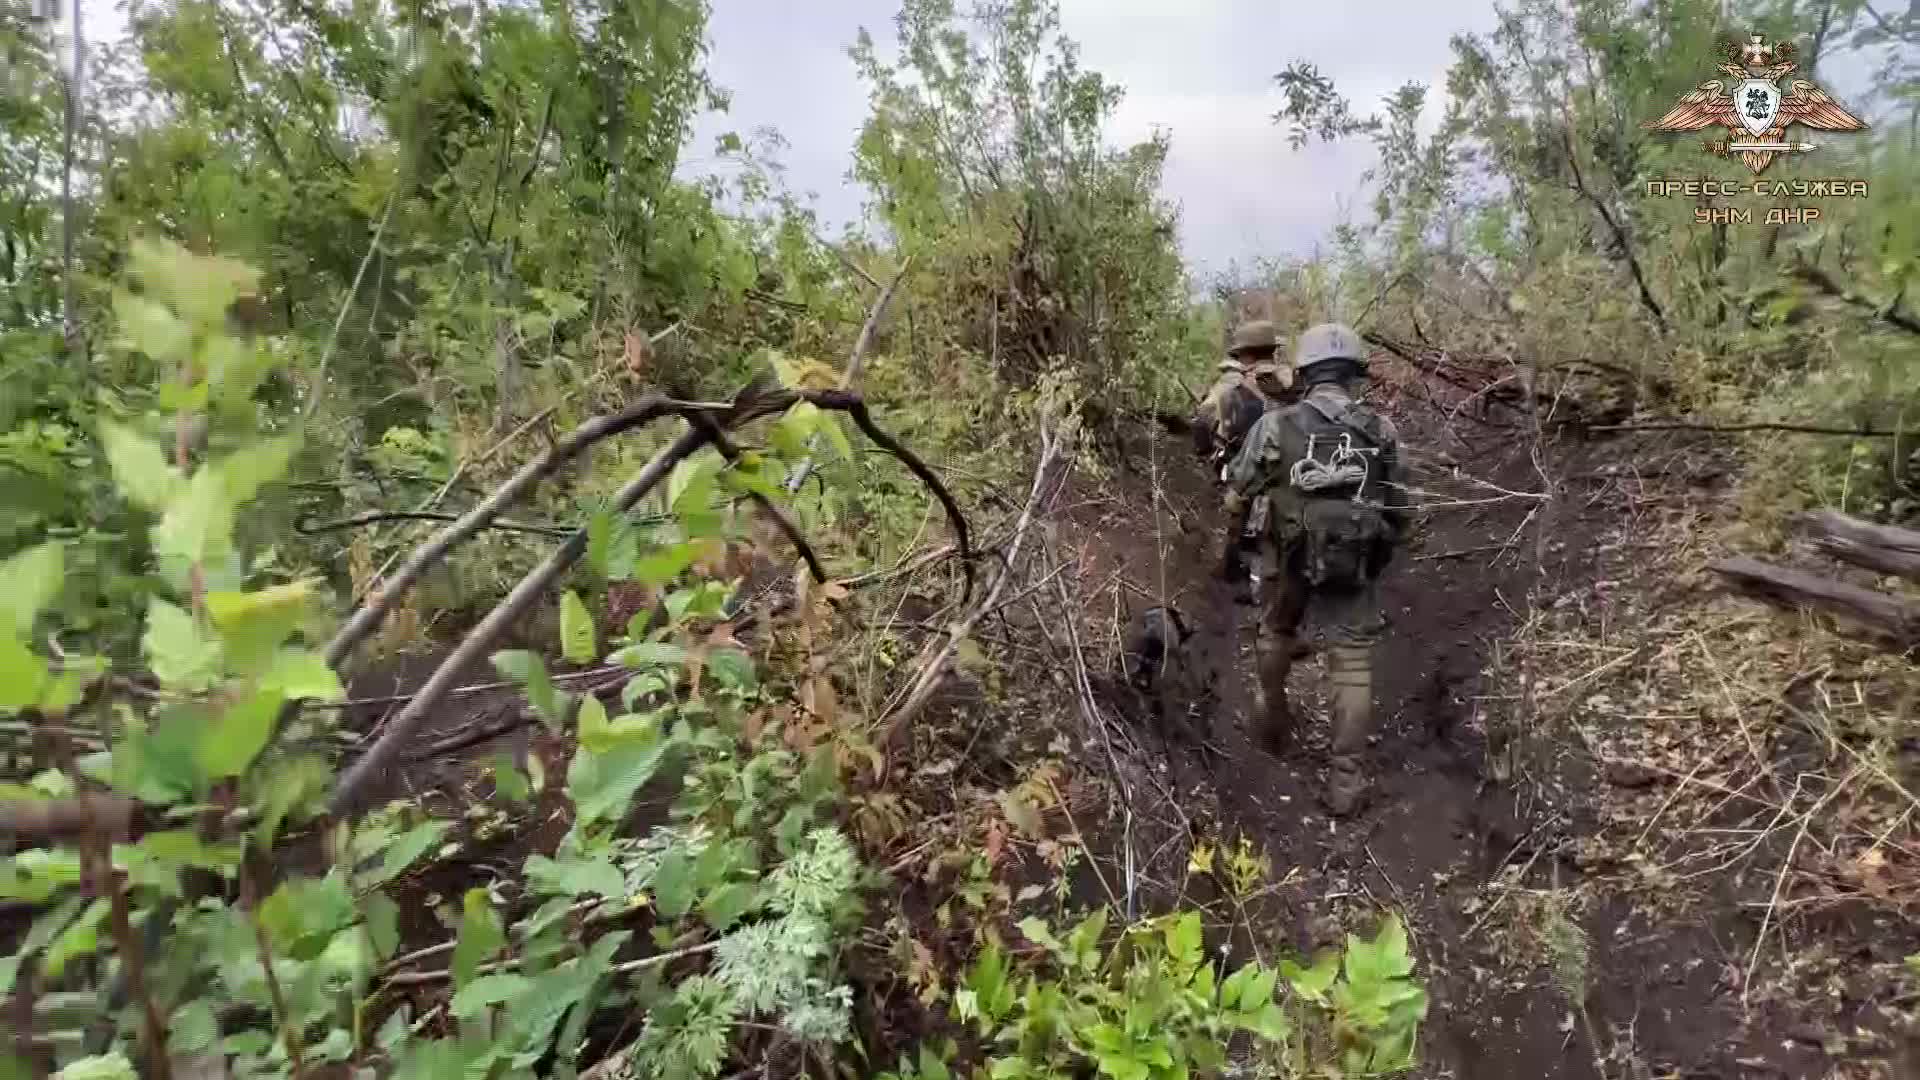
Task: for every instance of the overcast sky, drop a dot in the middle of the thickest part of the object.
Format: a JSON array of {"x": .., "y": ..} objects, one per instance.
[{"x": 1200, "y": 69}]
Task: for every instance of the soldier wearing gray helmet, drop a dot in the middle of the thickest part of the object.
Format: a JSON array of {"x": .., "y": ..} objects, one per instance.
[{"x": 1330, "y": 468}]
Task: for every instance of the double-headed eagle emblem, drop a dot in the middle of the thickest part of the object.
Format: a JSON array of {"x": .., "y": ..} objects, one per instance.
[{"x": 1756, "y": 107}]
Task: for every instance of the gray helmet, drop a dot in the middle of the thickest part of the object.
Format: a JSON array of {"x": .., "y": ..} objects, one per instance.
[
  {"x": 1258, "y": 334},
  {"x": 1329, "y": 341}
]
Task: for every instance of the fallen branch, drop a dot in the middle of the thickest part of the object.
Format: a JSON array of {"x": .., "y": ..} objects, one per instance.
[
  {"x": 383, "y": 596},
  {"x": 377, "y": 517},
  {"x": 1885, "y": 548},
  {"x": 1887, "y": 616},
  {"x": 1888, "y": 313},
  {"x": 756, "y": 400},
  {"x": 1731, "y": 429}
]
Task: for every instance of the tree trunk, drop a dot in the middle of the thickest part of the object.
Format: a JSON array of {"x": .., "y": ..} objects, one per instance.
[
  {"x": 1886, "y": 617},
  {"x": 1884, "y": 548}
]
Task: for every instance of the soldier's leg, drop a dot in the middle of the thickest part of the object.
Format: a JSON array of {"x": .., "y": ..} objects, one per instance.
[
  {"x": 1234, "y": 566},
  {"x": 1355, "y": 625},
  {"x": 1282, "y": 603}
]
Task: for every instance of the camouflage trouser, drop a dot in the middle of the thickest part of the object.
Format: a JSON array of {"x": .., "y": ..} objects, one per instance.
[{"x": 1351, "y": 621}]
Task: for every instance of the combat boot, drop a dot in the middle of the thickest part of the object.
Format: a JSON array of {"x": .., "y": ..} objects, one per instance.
[
  {"x": 1276, "y": 657},
  {"x": 1350, "y": 670}
]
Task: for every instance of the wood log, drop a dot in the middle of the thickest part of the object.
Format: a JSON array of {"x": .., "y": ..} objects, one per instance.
[
  {"x": 1885, "y": 548},
  {"x": 1887, "y": 617}
]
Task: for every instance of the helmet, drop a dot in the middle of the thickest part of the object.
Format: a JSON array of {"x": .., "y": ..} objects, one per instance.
[
  {"x": 1258, "y": 334},
  {"x": 1329, "y": 341}
]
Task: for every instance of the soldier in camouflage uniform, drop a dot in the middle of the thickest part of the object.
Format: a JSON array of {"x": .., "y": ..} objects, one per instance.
[
  {"x": 1249, "y": 379},
  {"x": 1328, "y": 470}
]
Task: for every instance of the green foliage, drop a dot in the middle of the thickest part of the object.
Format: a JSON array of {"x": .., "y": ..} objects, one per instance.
[{"x": 1150, "y": 1005}]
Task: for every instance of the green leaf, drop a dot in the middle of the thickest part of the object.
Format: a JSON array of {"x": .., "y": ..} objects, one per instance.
[
  {"x": 252, "y": 625},
  {"x": 99, "y": 1067},
  {"x": 292, "y": 789},
  {"x": 733, "y": 669},
  {"x": 64, "y": 688},
  {"x": 481, "y": 935},
  {"x": 1258, "y": 990},
  {"x": 303, "y": 674},
  {"x": 149, "y": 327},
  {"x": 602, "y": 785},
  {"x": 576, "y": 630},
  {"x": 530, "y": 671},
  {"x": 1184, "y": 938},
  {"x": 403, "y": 852},
  {"x": 487, "y": 990},
  {"x": 383, "y": 924},
  {"x": 657, "y": 568},
  {"x": 181, "y": 657},
  {"x": 140, "y": 467},
  {"x": 648, "y": 654},
  {"x": 244, "y": 472},
  {"x": 197, "y": 525},
  {"x": 29, "y": 580},
  {"x": 23, "y": 676},
  {"x": 233, "y": 740},
  {"x": 1314, "y": 982},
  {"x": 576, "y": 877},
  {"x": 674, "y": 885},
  {"x": 1270, "y": 1023},
  {"x": 725, "y": 905},
  {"x": 830, "y": 427},
  {"x": 80, "y": 938},
  {"x": 508, "y": 781}
]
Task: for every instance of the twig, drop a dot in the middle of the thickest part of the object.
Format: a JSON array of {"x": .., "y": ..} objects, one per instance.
[
  {"x": 289, "y": 1028},
  {"x": 377, "y": 517},
  {"x": 934, "y": 671},
  {"x": 346, "y": 304},
  {"x": 423, "y": 978},
  {"x": 731, "y": 453},
  {"x": 1780, "y": 881}
]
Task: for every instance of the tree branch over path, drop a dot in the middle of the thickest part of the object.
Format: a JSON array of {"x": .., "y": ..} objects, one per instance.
[{"x": 704, "y": 421}]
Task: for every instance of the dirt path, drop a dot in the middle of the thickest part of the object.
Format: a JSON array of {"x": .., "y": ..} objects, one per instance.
[{"x": 1436, "y": 829}]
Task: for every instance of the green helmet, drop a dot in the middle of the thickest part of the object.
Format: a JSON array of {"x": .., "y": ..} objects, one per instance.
[
  {"x": 1329, "y": 341},
  {"x": 1258, "y": 334}
]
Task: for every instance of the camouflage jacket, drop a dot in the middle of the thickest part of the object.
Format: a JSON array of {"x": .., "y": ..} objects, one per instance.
[
  {"x": 1226, "y": 414},
  {"x": 1325, "y": 419}
]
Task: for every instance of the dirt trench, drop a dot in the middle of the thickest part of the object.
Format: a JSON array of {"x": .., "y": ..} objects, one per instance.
[{"x": 1436, "y": 827}]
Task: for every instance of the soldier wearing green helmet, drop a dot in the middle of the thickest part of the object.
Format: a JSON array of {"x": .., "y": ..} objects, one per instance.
[
  {"x": 1330, "y": 468},
  {"x": 1251, "y": 378}
]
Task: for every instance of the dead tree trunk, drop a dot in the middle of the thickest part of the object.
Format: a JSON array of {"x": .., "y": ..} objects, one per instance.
[
  {"x": 1884, "y": 548},
  {"x": 1891, "y": 618}
]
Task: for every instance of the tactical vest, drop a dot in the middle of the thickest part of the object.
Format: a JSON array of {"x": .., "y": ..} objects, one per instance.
[{"x": 1337, "y": 489}]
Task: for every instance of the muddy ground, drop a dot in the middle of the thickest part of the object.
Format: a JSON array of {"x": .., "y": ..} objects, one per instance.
[{"x": 1660, "y": 993}]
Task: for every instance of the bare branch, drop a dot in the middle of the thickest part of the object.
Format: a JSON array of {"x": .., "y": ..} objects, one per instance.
[{"x": 852, "y": 374}]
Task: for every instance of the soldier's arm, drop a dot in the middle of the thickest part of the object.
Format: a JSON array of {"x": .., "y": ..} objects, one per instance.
[{"x": 1246, "y": 477}]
